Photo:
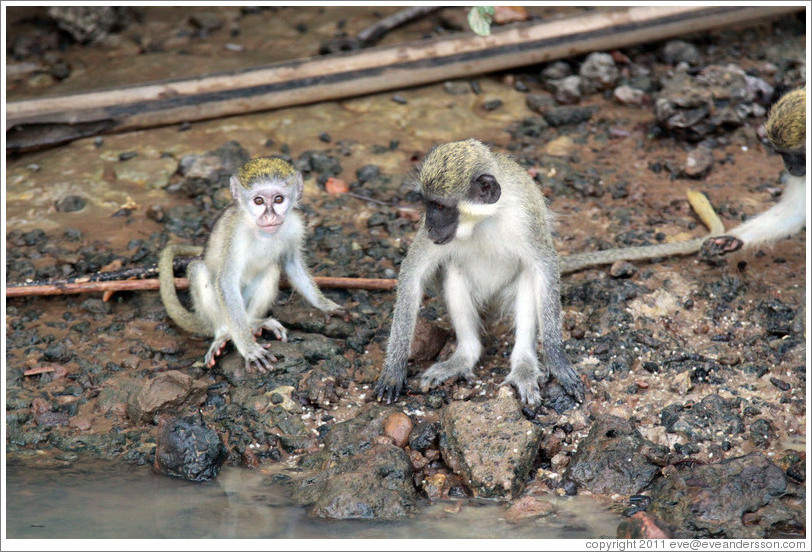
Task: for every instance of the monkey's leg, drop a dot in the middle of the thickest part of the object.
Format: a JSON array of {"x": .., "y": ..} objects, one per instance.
[
  {"x": 259, "y": 300},
  {"x": 465, "y": 319},
  {"x": 205, "y": 301},
  {"x": 548, "y": 298},
  {"x": 524, "y": 366},
  {"x": 785, "y": 218},
  {"x": 235, "y": 324}
]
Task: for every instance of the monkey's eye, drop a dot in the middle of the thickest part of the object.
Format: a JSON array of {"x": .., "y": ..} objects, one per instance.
[
  {"x": 258, "y": 201},
  {"x": 279, "y": 199}
]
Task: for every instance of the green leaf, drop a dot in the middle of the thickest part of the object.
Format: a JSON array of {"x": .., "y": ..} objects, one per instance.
[{"x": 479, "y": 19}]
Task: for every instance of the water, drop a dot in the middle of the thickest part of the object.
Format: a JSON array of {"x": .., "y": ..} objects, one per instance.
[{"x": 105, "y": 500}]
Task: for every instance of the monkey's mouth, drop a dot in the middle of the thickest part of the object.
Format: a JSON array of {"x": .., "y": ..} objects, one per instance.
[{"x": 269, "y": 227}]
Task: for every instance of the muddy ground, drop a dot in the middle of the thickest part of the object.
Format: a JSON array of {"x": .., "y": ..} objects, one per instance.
[{"x": 665, "y": 335}]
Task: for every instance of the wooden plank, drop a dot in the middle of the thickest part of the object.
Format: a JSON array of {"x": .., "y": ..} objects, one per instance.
[{"x": 367, "y": 71}]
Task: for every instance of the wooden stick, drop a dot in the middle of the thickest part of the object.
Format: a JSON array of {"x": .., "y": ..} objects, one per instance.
[
  {"x": 356, "y": 73},
  {"x": 327, "y": 282}
]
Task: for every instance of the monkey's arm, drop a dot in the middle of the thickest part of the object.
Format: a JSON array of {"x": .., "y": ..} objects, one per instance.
[
  {"x": 785, "y": 218},
  {"x": 184, "y": 318},
  {"x": 404, "y": 318},
  {"x": 303, "y": 282}
]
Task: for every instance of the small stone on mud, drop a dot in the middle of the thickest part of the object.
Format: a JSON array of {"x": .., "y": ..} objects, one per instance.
[
  {"x": 622, "y": 269},
  {"x": 398, "y": 426},
  {"x": 70, "y": 204},
  {"x": 336, "y": 186},
  {"x": 188, "y": 449}
]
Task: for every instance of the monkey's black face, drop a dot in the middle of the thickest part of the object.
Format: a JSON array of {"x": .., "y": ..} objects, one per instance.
[
  {"x": 795, "y": 163},
  {"x": 441, "y": 220}
]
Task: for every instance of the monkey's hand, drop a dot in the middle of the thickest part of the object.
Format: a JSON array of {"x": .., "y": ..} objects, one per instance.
[
  {"x": 524, "y": 377},
  {"x": 259, "y": 358},
  {"x": 334, "y": 309},
  {"x": 390, "y": 383},
  {"x": 272, "y": 325},
  {"x": 719, "y": 245},
  {"x": 454, "y": 368},
  {"x": 568, "y": 379}
]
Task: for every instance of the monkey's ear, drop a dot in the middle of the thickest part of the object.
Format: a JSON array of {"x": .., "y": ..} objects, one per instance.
[
  {"x": 234, "y": 186},
  {"x": 484, "y": 189},
  {"x": 299, "y": 187}
]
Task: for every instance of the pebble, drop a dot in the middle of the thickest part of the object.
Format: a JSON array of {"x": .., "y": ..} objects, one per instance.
[
  {"x": 528, "y": 507},
  {"x": 563, "y": 116},
  {"x": 698, "y": 162},
  {"x": 598, "y": 72},
  {"x": 627, "y": 95},
  {"x": 622, "y": 269},
  {"x": 70, "y": 204},
  {"x": 398, "y": 426},
  {"x": 336, "y": 186},
  {"x": 678, "y": 51},
  {"x": 457, "y": 88},
  {"x": 566, "y": 91},
  {"x": 492, "y": 105}
]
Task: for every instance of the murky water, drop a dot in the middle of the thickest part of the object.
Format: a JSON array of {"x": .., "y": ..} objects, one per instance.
[{"x": 99, "y": 500}]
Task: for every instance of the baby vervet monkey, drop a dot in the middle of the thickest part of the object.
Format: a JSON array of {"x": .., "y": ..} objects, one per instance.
[
  {"x": 786, "y": 131},
  {"x": 235, "y": 284},
  {"x": 487, "y": 232}
]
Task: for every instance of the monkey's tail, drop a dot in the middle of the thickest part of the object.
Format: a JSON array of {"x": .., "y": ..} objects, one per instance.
[
  {"x": 182, "y": 316},
  {"x": 580, "y": 261}
]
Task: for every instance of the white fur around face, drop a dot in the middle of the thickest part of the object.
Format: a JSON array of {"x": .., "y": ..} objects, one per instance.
[{"x": 472, "y": 214}]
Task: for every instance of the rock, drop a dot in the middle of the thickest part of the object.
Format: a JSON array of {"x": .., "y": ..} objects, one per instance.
[
  {"x": 398, "y": 426},
  {"x": 188, "y": 449},
  {"x": 681, "y": 383},
  {"x": 627, "y": 95},
  {"x": 761, "y": 433},
  {"x": 598, "y": 72},
  {"x": 744, "y": 497},
  {"x": 375, "y": 483},
  {"x": 70, "y": 204},
  {"x": 615, "y": 458},
  {"x": 538, "y": 102},
  {"x": 715, "y": 100},
  {"x": 423, "y": 435},
  {"x": 207, "y": 21},
  {"x": 559, "y": 147},
  {"x": 566, "y": 91},
  {"x": 563, "y": 116},
  {"x": 153, "y": 173},
  {"x": 622, "y": 269},
  {"x": 556, "y": 70},
  {"x": 679, "y": 51},
  {"x": 205, "y": 174},
  {"x": 528, "y": 507},
  {"x": 642, "y": 525},
  {"x": 167, "y": 391},
  {"x": 457, "y": 88},
  {"x": 429, "y": 339},
  {"x": 698, "y": 162},
  {"x": 712, "y": 419},
  {"x": 88, "y": 23},
  {"x": 489, "y": 444}
]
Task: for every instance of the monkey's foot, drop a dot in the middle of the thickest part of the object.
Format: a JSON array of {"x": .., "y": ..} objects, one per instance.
[
  {"x": 524, "y": 377},
  {"x": 719, "y": 245},
  {"x": 334, "y": 309},
  {"x": 389, "y": 386},
  {"x": 215, "y": 350},
  {"x": 451, "y": 369},
  {"x": 259, "y": 358},
  {"x": 272, "y": 325}
]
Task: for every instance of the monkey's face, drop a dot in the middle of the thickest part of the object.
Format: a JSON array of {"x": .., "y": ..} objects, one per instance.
[
  {"x": 444, "y": 215},
  {"x": 267, "y": 203},
  {"x": 795, "y": 163}
]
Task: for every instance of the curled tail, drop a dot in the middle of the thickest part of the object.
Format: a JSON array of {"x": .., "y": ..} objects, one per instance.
[{"x": 183, "y": 317}]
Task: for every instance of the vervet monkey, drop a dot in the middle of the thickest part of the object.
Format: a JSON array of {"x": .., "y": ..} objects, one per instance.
[
  {"x": 487, "y": 231},
  {"x": 235, "y": 284},
  {"x": 786, "y": 131}
]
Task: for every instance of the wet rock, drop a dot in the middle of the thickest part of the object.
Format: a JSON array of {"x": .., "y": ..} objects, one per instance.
[
  {"x": 373, "y": 484},
  {"x": 615, "y": 458},
  {"x": 679, "y": 51},
  {"x": 528, "y": 507},
  {"x": 743, "y": 497},
  {"x": 204, "y": 174},
  {"x": 489, "y": 444},
  {"x": 492, "y": 105},
  {"x": 167, "y": 391},
  {"x": 70, "y": 204},
  {"x": 627, "y": 95},
  {"x": 642, "y": 525},
  {"x": 566, "y": 91},
  {"x": 698, "y": 163},
  {"x": 538, "y": 102},
  {"x": 712, "y": 419},
  {"x": 429, "y": 339},
  {"x": 681, "y": 383},
  {"x": 563, "y": 116},
  {"x": 398, "y": 426},
  {"x": 715, "y": 100},
  {"x": 556, "y": 70},
  {"x": 598, "y": 72},
  {"x": 186, "y": 448}
]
